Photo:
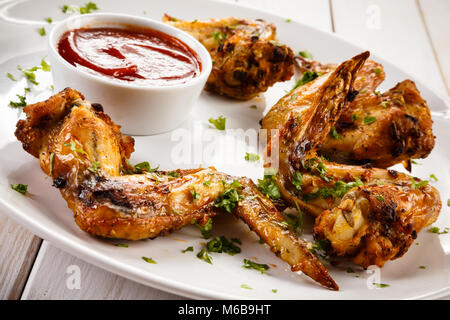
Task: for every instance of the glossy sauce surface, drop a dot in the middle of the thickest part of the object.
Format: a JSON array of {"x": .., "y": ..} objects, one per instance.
[{"x": 142, "y": 56}]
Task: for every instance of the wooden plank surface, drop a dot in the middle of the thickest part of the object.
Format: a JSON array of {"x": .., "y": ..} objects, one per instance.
[
  {"x": 48, "y": 277},
  {"x": 18, "y": 249},
  {"x": 436, "y": 15},
  {"x": 393, "y": 30},
  {"x": 52, "y": 278}
]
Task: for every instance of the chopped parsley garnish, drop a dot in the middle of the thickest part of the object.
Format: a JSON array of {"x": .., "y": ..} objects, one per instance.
[
  {"x": 20, "y": 188},
  {"x": 149, "y": 260},
  {"x": 74, "y": 148},
  {"x": 308, "y": 76},
  {"x": 274, "y": 290},
  {"x": 315, "y": 164},
  {"x": 52, "y": 155},
  {"x": 222, "y": 244},
  {"x": 339, "y": 189},
  {"x": 49, "y": 20},
  {"x": 380, "y": 285},
  {"x": 144, "y": 167},
  {"x": 206, "y": 228},
  {"x": 122, "y": 245},
  {"x": 350, "y": 270},
  {"x": 384, "y": 104},
  {"x": 306, "y": 54},
  {"x": 246, "y": 286},
  {"x": 207, "y": 183},
  {"x": 253, "y": 106},
  {"x": 448, "y": 202},
  {"x": 249, "y": 264},
  {"x": 20, "y": 104},
  {"x": 219, "y": 36},
  {"x": 438, "y": 231},
  {"x": 380, "y": 198},
  {"x": 94, "y": 167},
  {"x": 173, "y": 174},
  {"x": 188, "y": 249},
  {"x": 42, "y": 32},
  {"x": 195, "y": 195},
  {"x": 418, "y": 184},
  {"x": 203, "y": 255},
  {"x": 88, "y": 8},
  {"x": 251, "y": 157},
  {"x": 354, "y": 117},
  {"x": 268, "y": 187},
  {"x": 219, "y": 123},
  {"x": 288, "y": 20},
  {"x": 30, "y": 75},
  {"x": 376, "y": 70},
  {"x": 369, "y": 120},
  {"x": 297, "y": 180},
  {"x": 229, "y": 198},
  {"x": 335, "y": 134},
  {"x": 320, "y": 247},
  {"x": 422, "y": 267},
  {"x": 415, "y": 162},
  {"x": 433, "y": 177},
  {"x": 10, "y": 76}
]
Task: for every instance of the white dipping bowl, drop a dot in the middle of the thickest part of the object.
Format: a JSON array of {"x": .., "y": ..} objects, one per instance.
[{"x": 139, "y": 109}]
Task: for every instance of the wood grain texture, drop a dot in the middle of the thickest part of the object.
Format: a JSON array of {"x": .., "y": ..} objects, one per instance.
[
  {"x": 18, "y": 249},
  {"x": 51, "y": 273},
  {"x": 393, "y": 30},
  {"x": 436, "y": 15}
]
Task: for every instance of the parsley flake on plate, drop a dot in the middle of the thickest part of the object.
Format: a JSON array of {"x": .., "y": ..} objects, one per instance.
[
  {"x": 219, "y": 123},
  {"x": 20, "y": 188},
  {"x": 249, "y": 264}
]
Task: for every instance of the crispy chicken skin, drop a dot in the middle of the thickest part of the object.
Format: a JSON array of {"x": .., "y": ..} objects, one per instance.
[
  {"x": 375, "y": 223},
  {"x": 368, "y": 215},
  {"x": 87, "y": 157},
  {"x": 247, "y": 60},
  {"x": 403, "y": 126}
]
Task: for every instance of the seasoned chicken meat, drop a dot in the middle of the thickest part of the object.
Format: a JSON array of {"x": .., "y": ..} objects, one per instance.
[
  {"x": 378, "y": 128},
  {"x": 247, "y": 59},
  {"x": 86, "y": 155},
  {"x": 366, "y": 214}
]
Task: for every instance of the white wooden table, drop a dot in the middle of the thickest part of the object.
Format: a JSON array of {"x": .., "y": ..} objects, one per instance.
[{"x": 413, "y": 34}]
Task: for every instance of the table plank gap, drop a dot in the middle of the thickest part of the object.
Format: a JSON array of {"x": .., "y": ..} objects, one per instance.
[
  {"x": 435, "y": 17},
  {"x": 18, "y": 250}
]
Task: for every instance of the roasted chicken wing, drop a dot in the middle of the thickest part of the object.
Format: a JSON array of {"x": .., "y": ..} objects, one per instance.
[
  {"x": 86, "y": 155},
  {"x": 367, "y": 215},
  {"x": 381, "y": 129},
  {"x": 247, "y": 59}
]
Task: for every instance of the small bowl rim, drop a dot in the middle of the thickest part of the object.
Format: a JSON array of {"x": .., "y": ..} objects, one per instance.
[{"x": 206, "y": 60}]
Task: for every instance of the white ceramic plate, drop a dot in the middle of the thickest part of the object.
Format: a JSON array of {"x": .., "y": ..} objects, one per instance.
[{"x": 45, "y": 212}]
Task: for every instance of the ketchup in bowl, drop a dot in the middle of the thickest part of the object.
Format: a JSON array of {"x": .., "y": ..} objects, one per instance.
[{"x": 142, "y": 56}]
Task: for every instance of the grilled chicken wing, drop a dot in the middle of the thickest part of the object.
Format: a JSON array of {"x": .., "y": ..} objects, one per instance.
[
  {"x": 358, "y": 227},
  {"x": 247, "y": 60},
  {"x": 87, "y": 157},
  {"x": 381, "y": 129},
  {"x": 378, "y": 221}
]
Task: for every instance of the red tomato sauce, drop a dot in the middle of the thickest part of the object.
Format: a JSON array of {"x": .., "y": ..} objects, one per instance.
[{"x": 139, "y": 55}]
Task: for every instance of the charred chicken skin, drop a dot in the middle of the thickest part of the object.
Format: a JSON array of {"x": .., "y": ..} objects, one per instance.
[
  {"x": 247, "y": 60},
  {"x": 86, "y": 155},
  {"x": 378, "y": 128},
  {"x": 366, "y": 214}
]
